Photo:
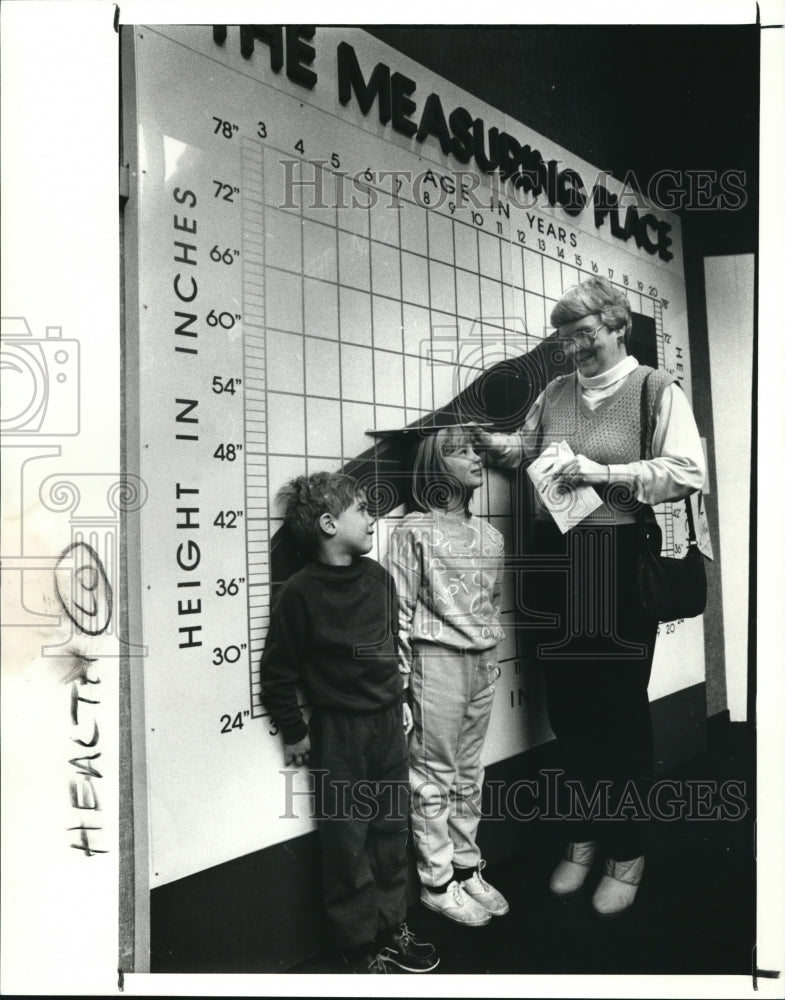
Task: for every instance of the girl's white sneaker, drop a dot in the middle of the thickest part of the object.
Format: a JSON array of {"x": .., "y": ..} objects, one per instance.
[
  {"x": 490, "y": 898},
  {"x": 456, "y": 904}
]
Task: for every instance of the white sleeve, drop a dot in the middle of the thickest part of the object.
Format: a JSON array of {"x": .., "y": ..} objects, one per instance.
[
  {"x": 678, "y": 466},
  {"x": 404, "y": 563},
  {"x": 508, "y": 451}
]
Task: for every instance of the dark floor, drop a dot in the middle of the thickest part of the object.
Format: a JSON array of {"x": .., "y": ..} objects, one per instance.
[{"x": 694, "y": 913}]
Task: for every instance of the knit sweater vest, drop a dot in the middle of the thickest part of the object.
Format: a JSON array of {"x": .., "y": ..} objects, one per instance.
[{"x": 609, "y": 434}]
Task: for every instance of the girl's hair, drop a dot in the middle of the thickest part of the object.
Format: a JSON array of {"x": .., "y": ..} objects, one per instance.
[
  {"x": 595, "y": 297},
  {"x": 433, "y": 485}
]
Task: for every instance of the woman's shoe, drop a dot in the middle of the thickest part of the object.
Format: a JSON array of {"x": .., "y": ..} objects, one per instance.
[
  {"x": 571, "y": 872},
  {"x": 618, "y": 887}
]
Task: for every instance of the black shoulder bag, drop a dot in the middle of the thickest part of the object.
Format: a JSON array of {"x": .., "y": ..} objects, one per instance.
[{"x": 668, "y": 588}]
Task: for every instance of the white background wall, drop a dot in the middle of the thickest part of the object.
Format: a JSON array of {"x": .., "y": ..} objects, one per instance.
[
  {"x": 60, "y": 268},
  {"x": 729, "y": 309}
]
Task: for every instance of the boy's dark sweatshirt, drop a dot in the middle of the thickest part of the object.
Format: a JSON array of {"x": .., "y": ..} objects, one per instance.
[{"x": 333, "y": 629}]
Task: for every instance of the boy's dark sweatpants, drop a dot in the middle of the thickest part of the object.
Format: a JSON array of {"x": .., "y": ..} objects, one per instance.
[{"x": 361, "y": 782}]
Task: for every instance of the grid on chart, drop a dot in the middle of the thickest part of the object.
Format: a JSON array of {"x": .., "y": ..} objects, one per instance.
[{"x": 370, "y": 317}]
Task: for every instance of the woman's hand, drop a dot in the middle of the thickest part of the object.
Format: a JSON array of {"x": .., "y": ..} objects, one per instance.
[
  {"x": 408, "y": 721},
  {"x": 579, "y": 471},
  {"x": 482, "y": 438}
]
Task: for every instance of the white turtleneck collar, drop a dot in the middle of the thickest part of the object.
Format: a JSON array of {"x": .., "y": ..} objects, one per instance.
[{"x": 611, "y": 376}]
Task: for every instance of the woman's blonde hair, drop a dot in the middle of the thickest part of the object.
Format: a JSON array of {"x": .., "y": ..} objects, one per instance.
[{"x": 434, "y": 487}]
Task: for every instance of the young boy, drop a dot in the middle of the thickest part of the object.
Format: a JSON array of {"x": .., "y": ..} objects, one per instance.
[{"x": 333, "y": 629}]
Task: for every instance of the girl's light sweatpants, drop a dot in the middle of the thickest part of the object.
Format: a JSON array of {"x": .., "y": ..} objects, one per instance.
[{"x": 452, "y": 697}]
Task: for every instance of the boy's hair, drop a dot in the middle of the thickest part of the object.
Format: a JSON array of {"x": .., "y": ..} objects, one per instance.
[
  {"x": 433, "y": 486},
  {"x": 303, "y": 501}
]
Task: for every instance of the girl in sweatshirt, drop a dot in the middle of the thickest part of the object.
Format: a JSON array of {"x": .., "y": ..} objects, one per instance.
[{"x": 447, "y": 566}]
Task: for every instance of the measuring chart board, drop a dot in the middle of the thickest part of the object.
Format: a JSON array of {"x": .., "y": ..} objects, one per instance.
[{"x": 307, "y": 272}]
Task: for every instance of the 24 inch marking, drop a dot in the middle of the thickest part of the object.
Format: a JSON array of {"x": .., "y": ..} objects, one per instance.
[{"x": 237, "y": 723}]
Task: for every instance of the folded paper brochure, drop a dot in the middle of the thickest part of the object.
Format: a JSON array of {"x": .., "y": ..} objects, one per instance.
[{"x": 568, "y": 504}]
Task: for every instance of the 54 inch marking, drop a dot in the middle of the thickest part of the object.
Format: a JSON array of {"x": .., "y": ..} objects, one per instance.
[{"x": 223, "y": 384}]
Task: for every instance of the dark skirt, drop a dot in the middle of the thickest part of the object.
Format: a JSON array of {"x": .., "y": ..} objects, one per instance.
[{"x": 595, "y": 644}]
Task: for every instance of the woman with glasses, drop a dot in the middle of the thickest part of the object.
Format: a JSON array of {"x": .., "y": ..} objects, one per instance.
[{"x": 592, "y": 636}]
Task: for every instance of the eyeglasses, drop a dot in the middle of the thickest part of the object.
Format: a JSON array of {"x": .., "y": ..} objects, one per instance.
[{"x": 583, "y": 340}]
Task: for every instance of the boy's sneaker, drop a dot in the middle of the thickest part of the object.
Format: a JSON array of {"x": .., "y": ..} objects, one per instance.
[
  {"x": 456, "y": 904},
  {"x": 377, "y": 964},
  {"x": 359, "y": 961},
  {"x": 404, "y": 950},
  {"x": 491, "y": 899}
]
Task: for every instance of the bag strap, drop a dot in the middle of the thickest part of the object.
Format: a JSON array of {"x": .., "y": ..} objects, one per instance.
[
  {"x": 690, "y": 523},
  {"x": 693, "y": 539},
  {"x": 644, "y": 415}
]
